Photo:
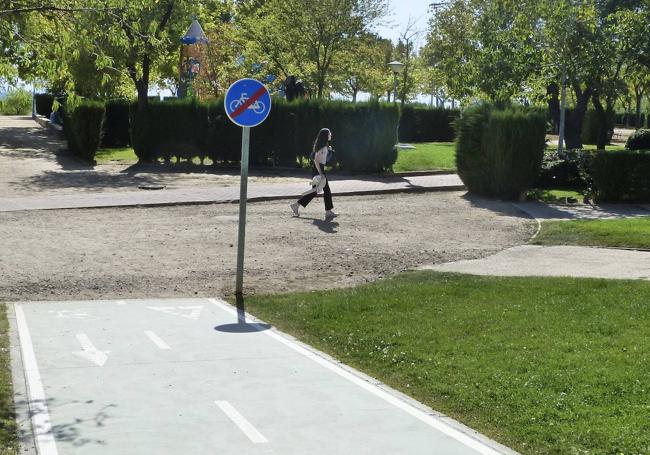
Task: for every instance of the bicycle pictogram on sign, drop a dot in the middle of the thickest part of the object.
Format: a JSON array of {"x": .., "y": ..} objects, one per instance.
[{"x": 247, "y": 102}]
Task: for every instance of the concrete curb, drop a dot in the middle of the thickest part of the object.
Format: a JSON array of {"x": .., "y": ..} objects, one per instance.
[
  {"x": 26, "y": 438},
  {"x": 250, "y": 199}
]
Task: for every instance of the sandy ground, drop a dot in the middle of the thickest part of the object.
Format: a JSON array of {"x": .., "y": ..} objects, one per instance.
[
  {"x": 191, "y": 250},
  {"x": 34, "y": 162}
]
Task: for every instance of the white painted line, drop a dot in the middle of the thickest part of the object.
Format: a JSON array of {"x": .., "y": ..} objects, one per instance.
[
  {"x": 189, "y": 312},
  {"x": 428, "y": 419},
  {"x": 90, "y": 352},
  {"x": 243, "y": 424},
  {"x": 156, "y": 340},
  {"x": 120, "y": 302},
  {"x": 41, "y": 424}
]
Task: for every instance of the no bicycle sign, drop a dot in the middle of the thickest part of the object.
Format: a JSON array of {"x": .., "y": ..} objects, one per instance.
[{"x": 247, "y": 103}]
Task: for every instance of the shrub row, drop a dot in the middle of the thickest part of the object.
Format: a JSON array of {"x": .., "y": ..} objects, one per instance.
[
  {"x": 639, "y": 140},
  {"x": 591, "y": 126},
  {"x": 499, "y": 152},
  {"x": 363, "y": 133},
  {"x": 116, "y": 124},
  {"x": 83, "y": 128},
  {"x": 621, "y": 176},
  {"x": 423, "y": 124},
  {"x": 629, "y": 119},
  {"x": 43, "y": 102}
]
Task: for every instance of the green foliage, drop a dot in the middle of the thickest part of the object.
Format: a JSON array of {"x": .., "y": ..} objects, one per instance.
[
  {"x": 364, "y": 133},
  {"x": 83, "y": 128},
  {"x": 514, "y": 142},
  {"x": 591, "y": 126},
  {"x": 44, "y": 103},
  {"x": 426, "y": 156},
  {"x": 17, "y": 102},
  {"x": 499, "y": 152},
  {"x": 8, "y": 426},
  {"x": 422, "y": 124},
  {"x": 116, "y": 124},
  {"x": 614, "y": 233},
  {"x": 471, "y": 162},
  {"x": 622, "y": 176},
  {"x": 639, "y": 140}
]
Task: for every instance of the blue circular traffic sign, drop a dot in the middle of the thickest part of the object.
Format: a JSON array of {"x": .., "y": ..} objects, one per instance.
[{"x": 247, "y": 102}]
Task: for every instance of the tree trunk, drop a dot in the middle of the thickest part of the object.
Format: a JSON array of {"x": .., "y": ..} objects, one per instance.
[
  {"x": 573, "y": 118},
  {"x": 354, "y": 95},
  {"x": 638, "y": 110}
]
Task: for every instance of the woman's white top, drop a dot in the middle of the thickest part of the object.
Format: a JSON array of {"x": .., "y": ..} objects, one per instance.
[{"x": 321, "y": 155}]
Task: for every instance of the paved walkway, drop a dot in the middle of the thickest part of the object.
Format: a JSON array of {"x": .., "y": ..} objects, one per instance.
[
  {"x": 559, "y": 212},
  {"x": 370, "y": 185},
  {"x": 575, "y": 261}
]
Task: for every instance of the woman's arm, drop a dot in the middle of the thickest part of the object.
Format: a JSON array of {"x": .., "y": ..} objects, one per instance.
[{"x": 317, "y": 163}]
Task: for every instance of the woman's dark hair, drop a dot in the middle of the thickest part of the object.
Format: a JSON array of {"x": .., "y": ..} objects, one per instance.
[{"x": 322, "y": 139}]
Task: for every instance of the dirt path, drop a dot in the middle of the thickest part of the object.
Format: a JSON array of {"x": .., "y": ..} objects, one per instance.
[
  {"x": 191, "y": 250},
  {"x": 34, "y": 162}
]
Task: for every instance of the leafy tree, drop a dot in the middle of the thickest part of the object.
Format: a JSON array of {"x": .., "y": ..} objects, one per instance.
[
  {"x": 363, "y": 68},
  {"x": 305, "y": 37}
]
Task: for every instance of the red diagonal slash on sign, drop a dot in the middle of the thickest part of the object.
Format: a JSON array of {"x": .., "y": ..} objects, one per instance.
[{"x": 248, "y": 102}]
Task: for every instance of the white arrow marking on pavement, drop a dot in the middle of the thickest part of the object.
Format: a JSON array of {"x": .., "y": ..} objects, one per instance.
[
  {"x": 90, "y": 352},
  {"x": 243, "y": 424},
  {"x": 156, "y": 340},
  {"x": 194, "y": 312},
  {"x": 37, "y": 400}
]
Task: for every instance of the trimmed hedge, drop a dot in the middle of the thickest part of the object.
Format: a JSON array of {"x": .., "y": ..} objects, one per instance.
[
  {"x": 363, "y": 133},
  {"x": 591, "y": 126},
  {"x": 630, "y": 119},
  {"x": 499, "y": 152},
  {"x": 44, "y": 103},
  {"x": 423, "y": 124},
  {"x": 83, "y": 128},
  {"x": 621, "y": 176},
  {"x": 639, "y": 140},
  {"x": 116, "y": 124}
]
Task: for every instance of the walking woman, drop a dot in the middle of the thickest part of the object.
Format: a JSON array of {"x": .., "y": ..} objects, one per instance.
[{"x": 320, "y": 156}]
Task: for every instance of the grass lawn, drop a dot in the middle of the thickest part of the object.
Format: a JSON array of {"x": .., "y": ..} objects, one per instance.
[
  {"x": 543, "y": 365},
  {"x": 551, "y": 196},
  {"x": 608, "y": 147},
  {"x": 427, "y": 156},
  {"x": 623, "y": 232},
  {"x": 124, "y": 155},
  {"x": 8, "y": 440}
]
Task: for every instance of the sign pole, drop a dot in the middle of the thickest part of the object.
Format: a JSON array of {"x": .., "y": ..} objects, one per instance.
[{"x": 241, "y": 239}]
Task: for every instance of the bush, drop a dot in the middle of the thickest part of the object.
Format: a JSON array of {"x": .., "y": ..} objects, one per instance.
[
  {"x": 422, "y": 124},
  {"x": 363, "y": 133},
  {"x": 83, "y": 128},
  {"x": 44, "y": 103},
  {"x": 17, "y": 102},
  {"x": 471, "y": 162},
  {"x": 621, "y": 176},
  {"x": 561, "y": 171},
  {"x": 499, "y": 152},
  {"x": 116, "y": 124},
  {"x": 639, "y": 140},
  {"x": 591, "y": 126}
]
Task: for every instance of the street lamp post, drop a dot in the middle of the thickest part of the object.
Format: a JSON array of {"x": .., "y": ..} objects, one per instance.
[{"x": 396, "y": 67}]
